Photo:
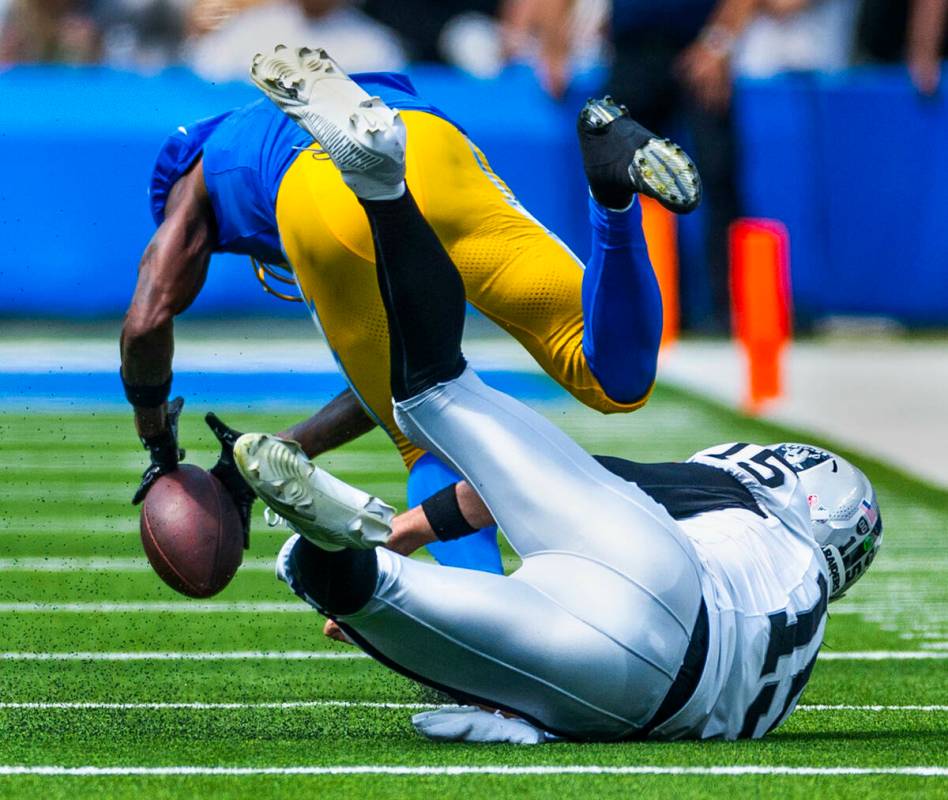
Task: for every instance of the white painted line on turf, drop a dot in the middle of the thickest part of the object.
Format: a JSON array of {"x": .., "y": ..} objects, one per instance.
[
  {"x": 291, "y": 704},
  {"x": 109, "y": 564},
  {"x": 843, "y": 707},
  {"x": 239, "y": 655},
  {"x": 172, "y": 607},
  {"x": 305, "y": 655},
  {"x": 883, "y": 655},
  {"x": 304, "y": 704},
  {"x": 917, "y": 771}
]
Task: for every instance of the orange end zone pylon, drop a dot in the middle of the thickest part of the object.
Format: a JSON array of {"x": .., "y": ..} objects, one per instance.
[
  {"x": 661, "y": 236},
  {"x": 760, "y": 304}
]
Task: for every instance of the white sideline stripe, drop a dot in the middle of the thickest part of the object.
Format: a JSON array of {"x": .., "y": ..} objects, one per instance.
[
  {"x": 306, "y": 655},
  {"x": 108, "y": 564},
  {"x": 293, "y": 704},
  {"x": 884, "y": 655},
  {"x": 821, "y": 707},
  {"x": 917, "y": 771},
  {"x": 238, "y": 655},
  {"x": 156, "y": 607}
]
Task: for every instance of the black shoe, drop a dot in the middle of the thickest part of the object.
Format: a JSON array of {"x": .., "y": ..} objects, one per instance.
[{"x": 621, "y": 158}]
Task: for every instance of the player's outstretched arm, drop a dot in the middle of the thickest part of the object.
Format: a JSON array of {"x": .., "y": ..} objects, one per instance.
[
  {"x": 455, "y": 511},
  {"x": 170, "y": 275},
  {"x": 339, "y": 422}
]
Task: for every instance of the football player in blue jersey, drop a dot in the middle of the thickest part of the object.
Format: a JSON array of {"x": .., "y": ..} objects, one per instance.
[{"x": 248, "y": 182}]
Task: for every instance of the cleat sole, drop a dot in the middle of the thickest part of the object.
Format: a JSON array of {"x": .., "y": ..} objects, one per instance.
[
  {"x": 358, "y": 132},
  {"x": 664, "y": 171}
]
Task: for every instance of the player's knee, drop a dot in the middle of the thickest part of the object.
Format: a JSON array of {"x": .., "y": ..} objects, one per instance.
[
  {"x": 626, "y": 387},
  {"x": 334, "y": 582}
]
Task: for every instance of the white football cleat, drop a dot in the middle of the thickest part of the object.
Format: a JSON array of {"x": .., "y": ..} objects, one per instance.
[
  {"x": 364, "y": 137},
  {"x": 327, "y": 511},
  {"x": 473, "y": 724}
]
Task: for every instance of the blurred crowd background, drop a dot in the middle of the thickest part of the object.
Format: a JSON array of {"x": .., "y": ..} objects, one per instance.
[
  {"x": 699, "y": 44},
  {"x": 673, "y": 62}
]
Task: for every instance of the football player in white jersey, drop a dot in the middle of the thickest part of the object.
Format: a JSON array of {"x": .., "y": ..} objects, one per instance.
[{"x": 678, "y": 600}]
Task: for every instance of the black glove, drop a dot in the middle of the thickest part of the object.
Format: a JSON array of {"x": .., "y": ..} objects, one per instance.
[
  {"x": 225, "y": 470},
  {"x": 164, "y": 451}
]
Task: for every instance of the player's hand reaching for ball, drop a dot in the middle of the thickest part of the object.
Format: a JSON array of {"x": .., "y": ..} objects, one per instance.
[
  {"x": 226, "y": 471},
  {"x": 163, "y": 449}
]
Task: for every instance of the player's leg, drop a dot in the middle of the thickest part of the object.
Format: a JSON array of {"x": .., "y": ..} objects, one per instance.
[
  {"x": 622, "y": 304},
  {"x": 595, "y": 331},
  {"x": 327, "y": 238},
  {"x": 544, "y": 490},
  {"x": 584, "y": 534},
  {"x": 494, "y": 640}
]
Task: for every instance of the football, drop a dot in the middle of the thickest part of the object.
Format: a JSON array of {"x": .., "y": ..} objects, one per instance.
[{"x": 191, "y": 532}]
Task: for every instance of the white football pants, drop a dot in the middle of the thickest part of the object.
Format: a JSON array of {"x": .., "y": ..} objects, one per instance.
[{"x": 588, "y": 635}]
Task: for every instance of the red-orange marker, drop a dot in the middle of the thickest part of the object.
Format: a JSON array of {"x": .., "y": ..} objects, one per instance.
[{"x": 760, "y": 304}]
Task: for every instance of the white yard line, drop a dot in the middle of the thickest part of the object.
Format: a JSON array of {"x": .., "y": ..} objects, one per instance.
[
  {"x": 883, "y": 655},
  {"x": 292, "y": 704},
  {"x": 915, "y": 771},
  {"x": 238, "y": 655},
  {"x": 171, "y": 607},
  {"x": 304, "y": 655},
  {"x": 821, "y": 707},
  {"x": 108, "y": 564},
  {"x": 306, "y": 704}
]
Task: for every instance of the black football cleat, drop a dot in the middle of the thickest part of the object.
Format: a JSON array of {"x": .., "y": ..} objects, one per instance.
[{"x": 621, "y": 158}]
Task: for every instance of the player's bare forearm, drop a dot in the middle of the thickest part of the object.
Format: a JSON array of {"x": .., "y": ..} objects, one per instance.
[
  {"x": 170, "y": 275},
  {"x": 925, "y": 35},
  {"x": 412, "y": 530},
  {"x": 340, "y": 421}
]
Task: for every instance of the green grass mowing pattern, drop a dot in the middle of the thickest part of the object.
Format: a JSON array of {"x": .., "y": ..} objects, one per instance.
[{"x": 66, "y": 482}]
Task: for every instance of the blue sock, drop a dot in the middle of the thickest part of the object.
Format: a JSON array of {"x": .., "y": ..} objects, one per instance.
[
  {"x": 622, "y": 304},
  {"x": 479, "y": 550}
]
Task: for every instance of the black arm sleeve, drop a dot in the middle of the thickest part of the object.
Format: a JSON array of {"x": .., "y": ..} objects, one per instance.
[{"x": 444, "y": 515}]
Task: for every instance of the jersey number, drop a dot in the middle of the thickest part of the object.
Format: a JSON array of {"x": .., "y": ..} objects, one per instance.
[
  {"x": 773, "y": 475},
  {"x": 784, "y": 639}
]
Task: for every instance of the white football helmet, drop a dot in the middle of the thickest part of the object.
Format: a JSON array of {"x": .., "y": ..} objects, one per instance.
[{"x": 844, "y": 511}]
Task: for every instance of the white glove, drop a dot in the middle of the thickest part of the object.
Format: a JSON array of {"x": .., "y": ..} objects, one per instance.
[{"x": 472, "y": 724}]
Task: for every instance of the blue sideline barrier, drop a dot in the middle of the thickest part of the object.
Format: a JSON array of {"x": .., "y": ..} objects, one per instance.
[
  {"x": 73, "y": 208},
  {"x": 854, "y": 164}
]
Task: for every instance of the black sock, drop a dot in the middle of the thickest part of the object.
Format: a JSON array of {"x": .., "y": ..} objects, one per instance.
[
  {"x": 341, "y": 582},
  {"x": 423, "y": 296}
]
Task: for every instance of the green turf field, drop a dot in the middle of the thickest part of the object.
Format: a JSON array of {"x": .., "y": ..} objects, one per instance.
[{"x": 103, "y": 666}]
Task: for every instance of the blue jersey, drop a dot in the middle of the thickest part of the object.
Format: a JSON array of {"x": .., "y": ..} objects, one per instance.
[{"x": 245, "y": 154}]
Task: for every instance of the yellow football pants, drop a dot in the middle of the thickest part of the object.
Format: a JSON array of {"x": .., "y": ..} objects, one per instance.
[{"x": 514, "y": 271}]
